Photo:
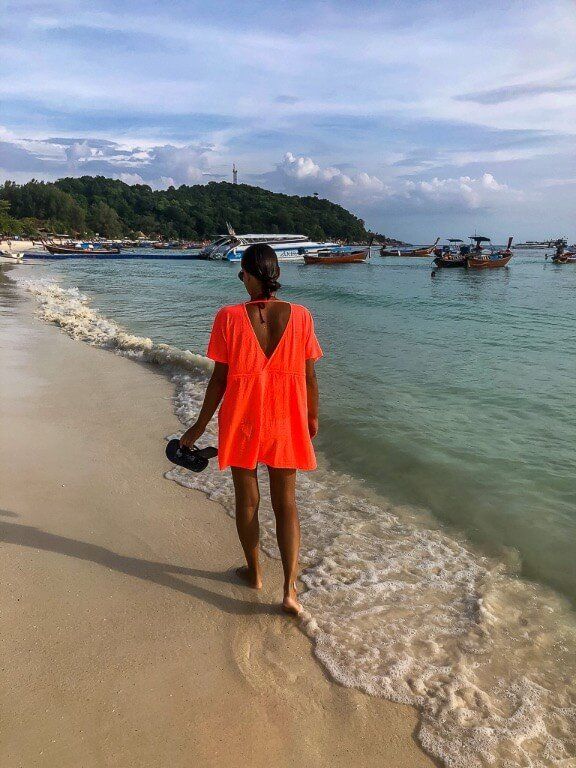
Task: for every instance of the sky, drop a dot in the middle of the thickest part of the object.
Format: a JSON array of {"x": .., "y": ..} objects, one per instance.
[{"x": 423, "y": 118}]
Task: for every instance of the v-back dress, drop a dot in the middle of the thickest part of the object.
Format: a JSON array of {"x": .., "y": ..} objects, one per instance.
[{"x": 264, "y": 413}]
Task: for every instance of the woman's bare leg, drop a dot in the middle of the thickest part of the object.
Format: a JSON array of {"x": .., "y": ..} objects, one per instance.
[
  {"x": 247, "y": 502},
  {"x": 283, "y": 496}
]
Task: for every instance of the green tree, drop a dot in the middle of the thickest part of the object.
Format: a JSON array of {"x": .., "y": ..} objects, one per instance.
[{"x": 104, "y": 220}]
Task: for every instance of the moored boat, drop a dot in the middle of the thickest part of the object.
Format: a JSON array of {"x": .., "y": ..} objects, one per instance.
[
  {"x": 452, "y": 255},
  {"x": 534, "y": 245},
  {"x": 563, "y": 256},
  {"x": 426, "y": 250},
  {"x": 482, "y": 258},
  {"x": 287, "y": 247},
  {"x": 80, "y": 249},
  {"x": 12, "y": 249},
  {"x": 337, "y": 256}
]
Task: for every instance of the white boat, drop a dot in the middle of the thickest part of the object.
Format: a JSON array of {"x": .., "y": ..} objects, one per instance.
[
  {"x": 535, "y": 245},
  {"x": 288, "y": 247},
  {"x": 13, "y": 249}
]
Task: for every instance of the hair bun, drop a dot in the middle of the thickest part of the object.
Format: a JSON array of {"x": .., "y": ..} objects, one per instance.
[
  {"x": 261, "y": 261},
  {"x": 271, "y": 284}
]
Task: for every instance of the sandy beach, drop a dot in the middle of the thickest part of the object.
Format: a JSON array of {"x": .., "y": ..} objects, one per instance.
[{"x": 127, "y": 640}]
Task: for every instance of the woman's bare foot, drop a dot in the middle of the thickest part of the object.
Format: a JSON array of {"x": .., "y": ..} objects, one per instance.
[
  {"x": 253, "y": 580},
  {"x": 290, "y": 603}
]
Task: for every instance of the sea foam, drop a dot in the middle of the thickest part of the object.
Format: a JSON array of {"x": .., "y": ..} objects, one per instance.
[{"x": 395, "y": 605}]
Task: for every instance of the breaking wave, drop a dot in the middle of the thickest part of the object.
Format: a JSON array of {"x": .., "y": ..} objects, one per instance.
[{"x": 395, "y": 605}]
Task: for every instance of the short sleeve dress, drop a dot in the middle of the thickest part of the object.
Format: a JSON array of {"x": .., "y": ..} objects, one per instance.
[{"x": 264, "y": 416}]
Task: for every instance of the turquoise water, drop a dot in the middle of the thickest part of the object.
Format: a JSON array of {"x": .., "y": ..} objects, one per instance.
[
  {"x": 445, "y": 471},
  {"x": 454, "y": 393}
]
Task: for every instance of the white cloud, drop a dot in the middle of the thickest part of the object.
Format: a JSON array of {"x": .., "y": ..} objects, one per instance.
[
  {"x": 463, "y": 192},
  {"x": 182, "y": 165},
  {"x": 304, "y": 175},
  {"x": 131, "y": 178},
  {"x": 304, "y": 172},
  {"x": 78, "y": 152}
]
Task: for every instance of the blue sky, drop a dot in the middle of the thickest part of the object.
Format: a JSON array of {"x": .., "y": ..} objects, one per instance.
[{"x": 424, "y": 118}]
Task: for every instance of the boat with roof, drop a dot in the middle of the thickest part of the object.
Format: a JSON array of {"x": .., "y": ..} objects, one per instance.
[
  {"x": 483, "y": 256},
  {"x": 452, "y": 255},
  {"x": 562, "y": 255}
]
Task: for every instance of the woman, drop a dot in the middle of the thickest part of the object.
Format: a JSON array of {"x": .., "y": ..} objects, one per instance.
[{"x": 264, "y": 353}]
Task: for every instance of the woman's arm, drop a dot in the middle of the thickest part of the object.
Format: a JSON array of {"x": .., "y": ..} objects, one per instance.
[
  {"x": 312, "y": 394},
  {"x": 214, "y": 394}
]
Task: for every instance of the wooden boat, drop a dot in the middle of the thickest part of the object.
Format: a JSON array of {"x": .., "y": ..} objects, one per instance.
[
  {"x": 480, "y": 259},
  {"x": 328, "y": 256},
  {"x": 426, "y": 251},
  {"x": 562, "y": 256},
  {"x": 67, "y": 250},
  {"x": 450, "y": 262},
  {"x": 453, "y": 255},
  {"x": 487, "y": 262},
  {"x": 568, "y": 257}
]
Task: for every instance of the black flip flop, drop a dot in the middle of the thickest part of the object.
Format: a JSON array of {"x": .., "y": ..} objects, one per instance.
[{"x": 195, "y": 459}]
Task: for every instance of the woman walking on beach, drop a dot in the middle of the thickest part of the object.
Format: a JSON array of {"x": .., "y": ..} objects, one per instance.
[{"x": 264, "y": 353}]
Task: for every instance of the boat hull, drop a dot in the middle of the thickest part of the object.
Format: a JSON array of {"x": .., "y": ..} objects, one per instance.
[
  {"x": 566, "y": 259},
  {"x": 473, "y": 262},
  {"x": 449, "y": 263},
  {"x": 354, "y": 257},
  {"x": 283, "y": 253},
  {"x": 421, "y": 252},
  {"x": 62, "y": 250}
]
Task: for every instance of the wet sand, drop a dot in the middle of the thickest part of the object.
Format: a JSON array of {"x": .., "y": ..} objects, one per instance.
[{"x": 127, "y": 640}]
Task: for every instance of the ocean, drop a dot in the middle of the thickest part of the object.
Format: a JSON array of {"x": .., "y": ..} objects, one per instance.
[{"x": 439, "y": 532}]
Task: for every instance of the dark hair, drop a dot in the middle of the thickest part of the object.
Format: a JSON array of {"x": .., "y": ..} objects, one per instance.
[{"x": 260, "y": 261}]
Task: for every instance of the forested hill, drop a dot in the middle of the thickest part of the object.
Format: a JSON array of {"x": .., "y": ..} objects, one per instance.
[{"x": 95, "y": 204}]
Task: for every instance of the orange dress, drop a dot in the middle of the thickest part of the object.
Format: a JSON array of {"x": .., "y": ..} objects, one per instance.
[{"x": 264, "y": 412}]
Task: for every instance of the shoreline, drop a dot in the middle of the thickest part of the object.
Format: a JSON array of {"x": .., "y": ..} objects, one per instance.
[{"x": 129, "y": 644}]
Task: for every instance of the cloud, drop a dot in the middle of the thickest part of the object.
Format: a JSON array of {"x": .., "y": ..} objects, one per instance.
[
  {"x": 300, "y": 174},
  {"x": 79, "y": 151},
  {"x": 464, "y": 192},
  {"x": 513, "y": 92},
  {"x": 160, "y": 166},
  {"x": 132, "y": 178},
  {"x": 184, "y": 165},
  {"x": 303, "y": 172}
]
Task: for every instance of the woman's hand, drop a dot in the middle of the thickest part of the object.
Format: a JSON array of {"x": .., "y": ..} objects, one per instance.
[
  {"x": 192, "y": 435},
  {"x": 312, "y": 426}
]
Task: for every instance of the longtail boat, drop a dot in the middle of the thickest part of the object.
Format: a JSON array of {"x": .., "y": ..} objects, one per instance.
[
  {"x": 566, "y": 258},
  {"x": 562, "y": 256},
  {"x": 427, "y": 250},
  {"x": 332, "y": 256},
  {"x": 479, "y": 258},
  {"x": 453, "y": 255},
  {"x": 67, "y": 250}
]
